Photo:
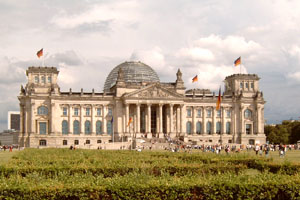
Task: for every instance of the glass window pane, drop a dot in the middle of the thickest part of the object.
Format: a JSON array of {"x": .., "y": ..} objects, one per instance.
[
  {"x": 76, "y": 127},
  {"x": 87, "y": 127},
  {"x": 43, "y": 128},
  {"x": 189, "y": 128},
  {"x": 98, "y": 127},
  {"x": 65, "y": 128},
  {"x": 198, "y": 127}
]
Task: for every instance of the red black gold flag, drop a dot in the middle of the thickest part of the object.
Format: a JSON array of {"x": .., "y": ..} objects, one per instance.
[
  {"x": 219, "y": 100},
  {"x": 237, "y": 61},
  {"x": 195, "y": 79},
  {"x": 129, "y": 122},
  {"x": 39, "y": 53}
]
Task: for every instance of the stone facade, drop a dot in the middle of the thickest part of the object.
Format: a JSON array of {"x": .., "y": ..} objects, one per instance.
[{"x": 131, "y": 110}]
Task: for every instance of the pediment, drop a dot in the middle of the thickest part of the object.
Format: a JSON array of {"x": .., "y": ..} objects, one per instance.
[{"x": 154, "y": 91}]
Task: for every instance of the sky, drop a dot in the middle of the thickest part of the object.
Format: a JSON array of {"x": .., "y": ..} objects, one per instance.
[{"x": 86, "y": 39}]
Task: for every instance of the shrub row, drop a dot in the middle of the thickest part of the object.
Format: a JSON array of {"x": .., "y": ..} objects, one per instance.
[{"x": 143, "y": 186}]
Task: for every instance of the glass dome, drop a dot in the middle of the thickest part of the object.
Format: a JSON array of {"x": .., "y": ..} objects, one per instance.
[{"x": 134, "y": 72}]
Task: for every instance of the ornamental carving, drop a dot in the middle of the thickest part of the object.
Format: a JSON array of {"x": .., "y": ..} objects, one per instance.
[{"x": 153, "y": 92}]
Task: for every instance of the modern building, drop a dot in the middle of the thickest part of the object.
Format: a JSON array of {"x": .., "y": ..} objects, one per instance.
[
  {"x": 13, "y": 120},
  {"x": 9, "y": 137},
  {"x": 135, "y": 104}
]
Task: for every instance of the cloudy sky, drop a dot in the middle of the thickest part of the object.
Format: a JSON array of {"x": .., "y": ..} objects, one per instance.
[{"x": 85, "y": 39}]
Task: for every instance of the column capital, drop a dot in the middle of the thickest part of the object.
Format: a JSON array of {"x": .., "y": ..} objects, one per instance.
[
  {"x": 160, "y": 104},
  {"x": 171, "y": 104},
  {"x": 149, "y": 104}
]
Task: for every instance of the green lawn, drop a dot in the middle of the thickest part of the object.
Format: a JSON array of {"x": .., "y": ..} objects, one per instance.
[{"x": 5, "y": 156}]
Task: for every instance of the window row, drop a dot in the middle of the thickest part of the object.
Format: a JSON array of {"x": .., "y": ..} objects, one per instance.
[
  {"x": 87, "y": 111},
  {"x": 65, "y": 142},
  {"x": 208, "y": 127},
  {"x": 42, "y": 79},
  {"x": 208, "y": 113},
  {"x": 246, "y": 85},
  {"x": 87, "y": 127}
]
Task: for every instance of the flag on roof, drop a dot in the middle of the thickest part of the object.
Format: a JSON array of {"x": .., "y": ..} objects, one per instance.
[
  {"x": 39, "y": 53},
  {"x": 195, "y": 79},
  {"x": 237, "y": 61},
  {"x": 219, "y": 100}
]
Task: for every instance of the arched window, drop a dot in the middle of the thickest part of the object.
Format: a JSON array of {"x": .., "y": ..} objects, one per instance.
[
  {"x": 98, "y": 127},
  {"x": 218, "y": 127},
  {"x": 228, "y": 127},
  {"x": 208, "y": 127},
  {"x": 42, "y": 110},
  {"x": 87, "y": 127},
  {"x": 64, "y": 127},
  {"x": 248, "y": 114},
  {"x": 109, "y": 127},
  {"x": 198, "y": 128},
  {"x": 76, "y": 127},
  {"x": 189, "y": 128}
]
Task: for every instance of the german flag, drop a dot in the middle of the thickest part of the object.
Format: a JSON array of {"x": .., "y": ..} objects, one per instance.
[
  {"x": 237, "y": 61},
  {"x": 39, "y": 53},
  {"x": 219, "y": 100},
  {"x": 129, "y": 122},
  {"x": 195, "y": 79}
]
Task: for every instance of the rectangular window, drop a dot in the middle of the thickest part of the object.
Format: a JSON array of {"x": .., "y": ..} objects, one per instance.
[
  {"x": 65, "y": 142},
  {"x": 76, "y": 142},
  {"x": 109, "y": 111},
  {"x": 43, "y": 79},
  {"x": 43, "y": 143},
  {"x": 98, "y": 111},
  {"x": 49, "y": 79},
  {"x": 189, "y": 112},
  {"x": 241, "y": 85},
  {"x": 199, "y": 111},
  {"x": 208, "y": 113},
  {"x": 228, "y": 113},
  {"x": 43, "y": 128},
  {"x": 252, "y": 85},
  {"x": 99, "y": 141},
  {"x": 248, "y": 129},
  {"x": 65, "y": 111},
  {"x": 87, "y": 142},
  {"x": 87, "y": 111},
  {"x": 219, "y": 113},
  {"x": 76, "y": 111},
  {"x": 247, "y": 85},
  {"x": 36, "y": 79}
]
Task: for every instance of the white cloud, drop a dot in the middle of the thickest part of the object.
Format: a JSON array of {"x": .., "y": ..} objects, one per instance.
[{"x": 117, "y": 11}]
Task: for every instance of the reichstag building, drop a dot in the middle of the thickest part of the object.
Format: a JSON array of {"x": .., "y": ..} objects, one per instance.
[{"x": 135, "y": 105}]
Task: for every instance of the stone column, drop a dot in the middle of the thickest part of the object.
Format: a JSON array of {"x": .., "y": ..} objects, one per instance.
[
  {"x": 223, "y": 124},
  {"x": 213, "y": 120},
  {"x": 181, "y": 120},
  {"x": 32, "y": 120},
  {"x": 193, "y": 120},
  {"x": 50, "y": 130},
  {"x": 203, "y": 120},
  {"x": 127, "y": 118},
  {"x": 104, "y": 131},
  {"x": 171, "y": 121},
  {"x": 21, "y": 119},
  {"x": 149, "y": 134},
  {"x": 70, "y": 124},
  {"x": 161, "y": 135},
  {"x": 81, "y": 120},
  {"x": 138, "y": 116},
  {"x": 242, "y": 129},
  {"x": 93, "y": 124},
  {"x": 257, "y": 120}
]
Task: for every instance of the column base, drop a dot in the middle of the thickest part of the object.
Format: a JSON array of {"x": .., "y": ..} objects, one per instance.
[
  {"x": 149, "y": 135},
  {"x": 161, "y": 135},
  {"x": 172, "y": 135}
]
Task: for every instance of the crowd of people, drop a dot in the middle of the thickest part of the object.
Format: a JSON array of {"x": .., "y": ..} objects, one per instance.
[{"x": 6, "y": 147}]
